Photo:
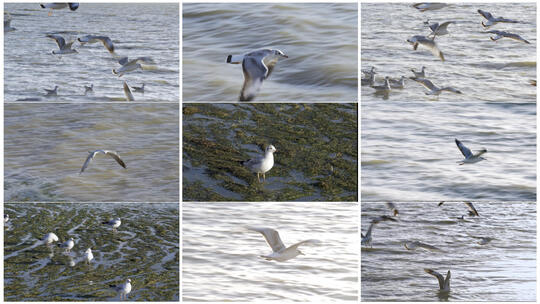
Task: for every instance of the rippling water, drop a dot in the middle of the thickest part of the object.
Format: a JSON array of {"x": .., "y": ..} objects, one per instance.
[
  {"x": 45, "y": 148},
  {"x": 480, "y": 68},
  {"x": 501, "y": 270},
  {"x": 320, "y": 40},
  {"x": 221, "y": 258},
  {"x": 408, "y": 151},
  {"x": 145, "y": 249},
  {"x": 136, "y": 29}
]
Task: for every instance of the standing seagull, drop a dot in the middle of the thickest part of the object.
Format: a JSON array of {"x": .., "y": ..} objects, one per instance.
[
  {"x": 67, "y": 245},
  {"x": 64, "y": 48},
  {"x": 257, "y": 66},
  {"x": 122, "y": 289},
  {"x": 470, "y": 158},
  {"x": 92, "y": 154},
  {"x": 88, "y": 256},
  {"x": 444, "y": 284},
  {"x": 49, "y": 238},
  {"x": 433, "y": 89},
  {"x": 501, "y": 34},
  {"x": 107, "y": 42},
  {"x": 115, "y": 223},
  {"x": 426, "y": 42},
  {"x": 279, "y": 253},
  {"x": 492, "y": 20},
  {"x": 6, "y": 218},
  {"x": 261, "y": 164}
]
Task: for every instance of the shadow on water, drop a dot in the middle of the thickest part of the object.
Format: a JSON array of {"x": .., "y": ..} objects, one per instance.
[{"x": 316, "y": 156}]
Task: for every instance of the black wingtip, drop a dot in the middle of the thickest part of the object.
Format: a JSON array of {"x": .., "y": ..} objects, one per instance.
[
  {"x": 229, "y": 58},
  {"x": 42, "y": 6}
]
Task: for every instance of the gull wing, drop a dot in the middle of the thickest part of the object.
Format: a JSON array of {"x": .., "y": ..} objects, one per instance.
[
  {"x": 434, "y": 26},
  {"x": 445, "y": 25},
  {"x": 432, "y": 46},
  {"x": 254, "y": 73},
  {"x": 485, "y": 14},
  {"x": 272, "y": 238},
  {"x": 515, "y": 37},
  {"x": 471, "y": 207},
  {"x": 438, "y": 276},
  {"x": 480, "y": 152},
  {"x": 426, "y": 83},
  {"x": 88, "y": 160},
  {"x": 392, "y": 208},
  {"x": 123, "y": 60},
  {"x": 60, "y": 41},
  {"x": 383, "y": 218},
  {"x": 447, "y": 281},
  {"x": 450, "y": 89},
  {"x": 116, "y": 157},
  {"x": 107, "y": 43},
  {"x": 368, "y": 233},
  {"x": 464, "y": 150},
  {"x": 310, "y": 241},
  {"x": 127, "y": 92}
]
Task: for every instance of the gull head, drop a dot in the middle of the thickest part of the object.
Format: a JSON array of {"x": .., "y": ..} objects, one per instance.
[
  {"x": 89, "y": 250},
  {"x": 128, "y": 281},
  {"x": 280, "y": 53},
  {"x": 271, "y": 149}
]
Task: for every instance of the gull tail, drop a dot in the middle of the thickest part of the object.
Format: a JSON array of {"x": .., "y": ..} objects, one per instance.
[{"x": 235, "y": 59}]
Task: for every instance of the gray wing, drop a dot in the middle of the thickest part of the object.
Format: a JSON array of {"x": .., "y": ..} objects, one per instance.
[
  {"x": 392, "y": 208},
  {"x": 88, "y": 160},
  {"x": 123, "y": 60},
  {"x": 450, "y": 89},
  {"x": 485, "y": 14},
  {"x": 434, "y": 26},
  {"x": 310, "y": 241},
  {"x": 107, "y": 43},
  {"x": 142, "y": 59},
  {"x": 127, "y": 92},
  {"x": 254, "y": 73},
  {"x": 116, "y": 157},
  {"x": 471, "y": 207},
  {"x": 59, "y": 40},
  {"x": 437, "y": 275},
  {"x": 515, "y": 37},
  {"x": 271, "y": 236},
  {"x": 464, "y": 150},
  {"x": 432, "y": 46},
  {"x": 426, "y": 83},
  {"x": 445, "y": 25}
]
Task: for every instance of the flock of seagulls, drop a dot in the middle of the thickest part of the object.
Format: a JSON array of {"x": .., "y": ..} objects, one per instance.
[
  {"x": 67, "y": 47},
  {"x": 428, "y": 42},
  {"x": 257, "y": 66},
  {"x": 50, "y": 238},
  {"x": 261, "y": 164},
  {"x": 444, "y": 283}
]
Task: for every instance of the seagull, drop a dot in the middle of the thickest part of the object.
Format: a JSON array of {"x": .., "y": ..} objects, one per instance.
[
  {"x": 413, "y": 245},
  {"x": 483, "y": 240},
  {"x": 426, "y": 42},
  {"x": 139, "y": 89},
  {"x": 92, "y": 154},
  {"x": 444, "y": 284},
  {"x": 385, "y": 88},
  {"x": 261, "y": 164},
  {"x": 279, "y": 253},
  {"x": 492, "y": 20},
  {"x": 257, "y": 66},
  {"x": 67, "y": 244},
  {"x": 114, "y": 223},
  {"x": 51, "y": 6},
  {"x": 7, "y": 24},
  {"x": 49, "y": 238},
  {"x": 428, "y": 6},
  {"x": 366, "y": 239},
  {"x": 439, "y": 29},
  {"x": 6, "y": 218},
  {"x": 421, "y": 74},
  {"x": 501, "y": 34},
  {"x": 107, "y": 42},
  {"x": 370, "y": 80},
  {"x": 52, "y": 92},
  {"x": 397, "y": 84},
  {"x": 89, "y": 89},
  {"x": 130, "y": 65},
  {"x": 472, "y": 210},
  {"x": 122, "y": 289},
  {"x": 369, "y": 72},
  {"x": 470, "y": 158},
  {"x": 393, "y": 208},
  {"x": 64, "y": 48},
  {"x": 434, "y": 90},
  {"x": 383, "y": 218},
  {"x": 88, "y": 256},
  {"x": 127, "y": 92}
]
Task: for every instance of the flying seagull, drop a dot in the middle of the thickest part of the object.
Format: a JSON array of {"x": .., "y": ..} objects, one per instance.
[
  {"x": 433, "y": 89},
  {"x": 52, "y": 92},
  {"x": 492, "y": 20},
  {"x": 261, "y": 164},
  {"x": 383, "y": 218},
  {"x": 413, "y": 245},
  {"x": 439, "y": 29},
  {"x": 64, "y": 48},
  {"x": 122, "y": 289},
  {"x": 92, "y": 154},
  {"x": 131, "y": 65},
  {"x": 426, "y": 42},
  {"x": 393, "y": 208},
  {"x": 257, "y": 66},
  {"x": 127, "y": 92},
  {"x": 444, "y": 284},
  {"x": 279, "y": 253},
  {"x": 107, "y": 42},
  {"x": 366, "y": 239},
  {"x": 470, "y": 158},
  {"x": 472, "y": 210},
  {"x": 428, "y": 6},
  {"x": 88, "y": 89},
  {"x": 501, "y": 34}
]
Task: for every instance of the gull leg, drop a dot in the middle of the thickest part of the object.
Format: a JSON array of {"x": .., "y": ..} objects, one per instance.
[
  {"x": 258, "y": 178},
  {"x": 264, "y": 176}
]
